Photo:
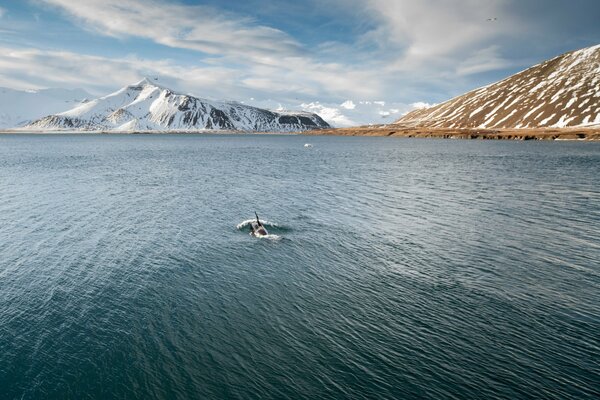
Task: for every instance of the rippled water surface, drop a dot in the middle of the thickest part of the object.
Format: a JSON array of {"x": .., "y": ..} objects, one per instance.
[{"x": 395, "y": 268}]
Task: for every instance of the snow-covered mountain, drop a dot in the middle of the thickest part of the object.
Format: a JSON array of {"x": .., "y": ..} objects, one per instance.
[
  {"x": 562, "y": 92},
  {"x": 18, "y": 107},
  {"x": 146, "y": 106}
]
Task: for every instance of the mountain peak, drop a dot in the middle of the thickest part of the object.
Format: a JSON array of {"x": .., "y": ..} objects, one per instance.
[
  {"x": 146, "y": 81},
  {"x": 146, "y": 105}
]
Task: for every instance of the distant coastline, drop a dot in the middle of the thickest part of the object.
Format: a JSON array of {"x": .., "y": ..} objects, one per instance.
[
  {"x": 393, "y": 130},
  {"x": 396, "y": 131},
  {"x": 24, "y": 131}
]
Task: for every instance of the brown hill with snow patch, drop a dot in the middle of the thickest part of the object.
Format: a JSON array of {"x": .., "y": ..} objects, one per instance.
[{"x": 562, "y": 92}]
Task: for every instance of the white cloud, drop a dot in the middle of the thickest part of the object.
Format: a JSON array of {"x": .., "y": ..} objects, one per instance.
[
  {"x": 439, "y": 43},
  {"x": 437, "y": 28},
  {"x": 331, "y": 114},
  {"x": 419, "y": 43},
  {"x": 363, "y": 112},
  {"x": 430, "y": 49},
  {"x": 420, "y": 105},
  {"x": 348, "y": 105},
  {"x": 198, "y": 28},
  {"x": 434, "y": 49},
  {"x": 482, "y": 60},
  {"x": 2, "y": 12},
  {"x": 267, "y": 60},
  {"x": 34, "y": 68}
]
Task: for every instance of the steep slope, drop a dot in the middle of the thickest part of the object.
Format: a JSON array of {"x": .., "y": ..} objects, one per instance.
[
  {"x": 562, "y": 92},
  {"x": 148, "y": 106},
  {"x": 18, "y": 107}
]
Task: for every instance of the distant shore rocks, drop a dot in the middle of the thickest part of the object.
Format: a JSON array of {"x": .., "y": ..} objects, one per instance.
[{"x": 447, "y": 133}]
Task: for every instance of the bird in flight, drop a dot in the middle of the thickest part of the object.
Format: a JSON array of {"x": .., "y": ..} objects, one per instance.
[{"x": 492, "y": 19}]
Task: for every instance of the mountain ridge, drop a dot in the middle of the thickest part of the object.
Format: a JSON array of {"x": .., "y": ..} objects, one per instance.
[{"x": 148, "y": 106}]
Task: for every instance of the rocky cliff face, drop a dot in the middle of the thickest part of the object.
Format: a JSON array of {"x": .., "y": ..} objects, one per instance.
[
  {"x": 562, "y": 92},
  {"x": 147, "y": 106}
]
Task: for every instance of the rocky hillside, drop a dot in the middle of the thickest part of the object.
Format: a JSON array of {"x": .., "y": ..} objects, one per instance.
[
  {"x": 559, "y": 93},
  {"x": 146, "y": 106}
]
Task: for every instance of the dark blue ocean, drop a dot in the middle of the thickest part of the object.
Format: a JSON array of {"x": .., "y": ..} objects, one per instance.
[{"x": 394, "y": 268}]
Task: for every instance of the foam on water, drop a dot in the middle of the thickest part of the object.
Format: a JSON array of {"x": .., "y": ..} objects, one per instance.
[
  {"x": 245, "y": 227},
  {"x": 246, "y": 223},
  {"x": 269, "y": 236}
]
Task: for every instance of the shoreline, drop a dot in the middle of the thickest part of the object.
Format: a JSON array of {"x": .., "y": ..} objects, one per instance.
[
  {"x": 156, "y": 132},
  {"x": 391, "y": 130}
]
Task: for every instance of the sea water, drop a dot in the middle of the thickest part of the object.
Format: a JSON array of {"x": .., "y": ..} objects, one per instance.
[{"x": 394, "y": 268}]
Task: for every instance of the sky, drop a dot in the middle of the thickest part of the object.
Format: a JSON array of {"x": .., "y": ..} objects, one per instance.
[{"x": 352, "y": 61}]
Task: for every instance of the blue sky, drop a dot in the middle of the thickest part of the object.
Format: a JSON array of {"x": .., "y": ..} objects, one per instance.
[{"x": 353, "y": 61}]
